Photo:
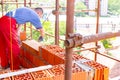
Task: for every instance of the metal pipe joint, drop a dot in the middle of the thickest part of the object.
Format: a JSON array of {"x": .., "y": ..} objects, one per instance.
[{"x": 74, "y": 40}]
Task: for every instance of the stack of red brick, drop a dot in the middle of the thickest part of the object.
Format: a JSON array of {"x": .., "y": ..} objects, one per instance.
[
  {"x": 30, "y": 55},
  {"x": 33, "y": 54}
]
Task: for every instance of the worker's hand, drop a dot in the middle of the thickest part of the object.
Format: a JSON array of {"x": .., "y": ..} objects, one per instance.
[{"x": 40, "y": 39}]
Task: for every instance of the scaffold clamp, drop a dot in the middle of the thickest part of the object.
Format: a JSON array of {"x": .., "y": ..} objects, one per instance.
[{"x": 74, "y": 40}]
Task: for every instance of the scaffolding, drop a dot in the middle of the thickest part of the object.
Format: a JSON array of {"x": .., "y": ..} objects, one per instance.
[{"x": 71, "y": 38}]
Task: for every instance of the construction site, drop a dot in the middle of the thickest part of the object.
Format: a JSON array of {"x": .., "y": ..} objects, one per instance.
[{"x": 81, "y": 58}]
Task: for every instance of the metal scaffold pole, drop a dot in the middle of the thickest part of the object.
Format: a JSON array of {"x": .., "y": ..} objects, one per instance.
[
  {"x": 97, "y": 24},
  {"x": 57, "y": 23},
  {"x": 69, "y": 29}
]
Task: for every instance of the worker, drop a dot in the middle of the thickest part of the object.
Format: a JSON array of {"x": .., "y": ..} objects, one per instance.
[{"x": 9, "y": 45}]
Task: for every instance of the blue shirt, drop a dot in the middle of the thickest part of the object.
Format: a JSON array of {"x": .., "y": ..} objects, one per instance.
[{"x": 24, "y": 14}]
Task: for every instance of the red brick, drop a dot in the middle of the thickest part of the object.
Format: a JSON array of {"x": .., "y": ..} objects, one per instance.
[
  {"x": 41, "y": 75},
  {"x": 26, "y": 76}
]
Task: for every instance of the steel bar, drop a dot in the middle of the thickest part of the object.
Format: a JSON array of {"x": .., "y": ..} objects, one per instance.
[
  {"x": 19, "y": 3},
  {"x": 109, "y": 57},
  {"x": 105, "y": 55},
  {"x": 85, "y": 49},
  {"x": 87, "y": 10},
  {"x": 97, "y": 24}
]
